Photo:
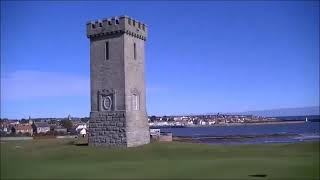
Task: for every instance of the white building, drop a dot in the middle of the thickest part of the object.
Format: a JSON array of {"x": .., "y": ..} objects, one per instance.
[
  {"x": 83, "y": 132},
  {"x": 190, "y": 122},
  {"x": 81, "y": 126},
  {"x": 203, "y": 122},
  {"x": 161, "y": 123},
  {"x": 155, "y": 132}
]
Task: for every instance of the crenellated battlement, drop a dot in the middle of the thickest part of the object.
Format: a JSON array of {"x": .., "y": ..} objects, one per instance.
[{"x": 117, "y": 25}]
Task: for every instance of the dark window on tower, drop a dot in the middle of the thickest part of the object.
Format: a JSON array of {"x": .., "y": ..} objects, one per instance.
[
  {"x": 107, "y": 50},
  {"x": 134, "y": 51}
]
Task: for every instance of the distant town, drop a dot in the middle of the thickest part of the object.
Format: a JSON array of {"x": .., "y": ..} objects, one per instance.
[
  {"x": 79, "y": 126},
  {"x": 206, "y": 120}
]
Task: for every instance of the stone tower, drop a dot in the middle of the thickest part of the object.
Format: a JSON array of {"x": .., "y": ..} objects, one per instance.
[{"x": 118, "y": 101}]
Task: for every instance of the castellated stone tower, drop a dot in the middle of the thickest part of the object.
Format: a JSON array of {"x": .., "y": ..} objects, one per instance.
[{"x": 118, "y": 115}]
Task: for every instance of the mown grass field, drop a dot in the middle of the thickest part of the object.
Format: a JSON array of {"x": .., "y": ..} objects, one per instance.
[{"x": 60, "y": 159}]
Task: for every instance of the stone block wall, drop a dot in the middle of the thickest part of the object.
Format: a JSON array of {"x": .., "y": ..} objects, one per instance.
[{"x": 108, "y": 129}]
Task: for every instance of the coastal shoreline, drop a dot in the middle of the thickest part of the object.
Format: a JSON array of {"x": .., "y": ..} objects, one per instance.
[
  {"x": 192, "y": 138},
  {"x": 230, "y": 124},
  {"x": 249, "y": 139},
  {"x": 244, "y": 124}
]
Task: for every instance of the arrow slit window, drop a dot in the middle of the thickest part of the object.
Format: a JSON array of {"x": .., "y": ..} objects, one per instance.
[
  {"x": 134, "y": 51},
  {"x": 107, "y": 50}
]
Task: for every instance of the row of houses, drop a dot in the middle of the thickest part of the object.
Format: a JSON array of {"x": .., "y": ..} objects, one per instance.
[{"x": 39, "y": 128}]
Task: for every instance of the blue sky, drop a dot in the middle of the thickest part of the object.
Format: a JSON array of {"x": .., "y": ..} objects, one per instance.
[{"x": 219, "y": 56}]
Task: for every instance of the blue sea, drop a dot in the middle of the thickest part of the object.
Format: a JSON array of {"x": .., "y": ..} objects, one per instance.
[{"x": 251, "y": 134}]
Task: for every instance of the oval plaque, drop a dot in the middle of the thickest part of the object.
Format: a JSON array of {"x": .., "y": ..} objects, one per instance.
[{"x": 107, "y": 103}]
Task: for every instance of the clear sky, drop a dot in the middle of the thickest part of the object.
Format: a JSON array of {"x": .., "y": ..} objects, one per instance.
[{"x": 210, "y": 56}]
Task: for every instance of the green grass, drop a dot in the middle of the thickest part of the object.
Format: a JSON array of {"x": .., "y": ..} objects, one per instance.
[{"x": 55, "y": 159}]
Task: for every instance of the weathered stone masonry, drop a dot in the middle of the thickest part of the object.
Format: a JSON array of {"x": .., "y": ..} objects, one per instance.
[
  {"x": 108, "y": 129},
  {"x": 118, "y": 115}
]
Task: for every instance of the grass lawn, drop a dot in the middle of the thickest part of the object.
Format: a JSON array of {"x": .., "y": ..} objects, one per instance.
[{"x": 60, "y": 159}]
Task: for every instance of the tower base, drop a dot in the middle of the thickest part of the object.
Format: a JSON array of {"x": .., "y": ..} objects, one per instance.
[{"x": 111, "y": 129}]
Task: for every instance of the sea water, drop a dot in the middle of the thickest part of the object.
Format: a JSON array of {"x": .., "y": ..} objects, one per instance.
[{"x": 251, "y": 134}]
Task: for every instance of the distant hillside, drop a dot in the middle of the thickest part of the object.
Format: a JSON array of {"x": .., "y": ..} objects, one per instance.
[{"x": 302, "y": 111}]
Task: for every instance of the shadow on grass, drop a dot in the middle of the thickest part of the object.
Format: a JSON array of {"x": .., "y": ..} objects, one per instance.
[
  {"x": 83, "y": 144},
  {"x": 78, "y": 142},
  {"x": 258, "y": 175}
]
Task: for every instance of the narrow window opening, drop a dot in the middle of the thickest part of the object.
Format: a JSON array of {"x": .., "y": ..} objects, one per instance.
[
  {"x": 109, "y": 22},
  {"x": 100, "y": 24},
  {"x": 135, "y": 102},
  {"x": 143, "y": 27},
  {"x": 117, "y": 21},
  {"x": 107, "y": 50},
  {"x": 129, "y": 21},
  {"x": 134, "y": 51},
  {"x": 93, "y": 26},
  {"x": 134, "y": 23}
]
